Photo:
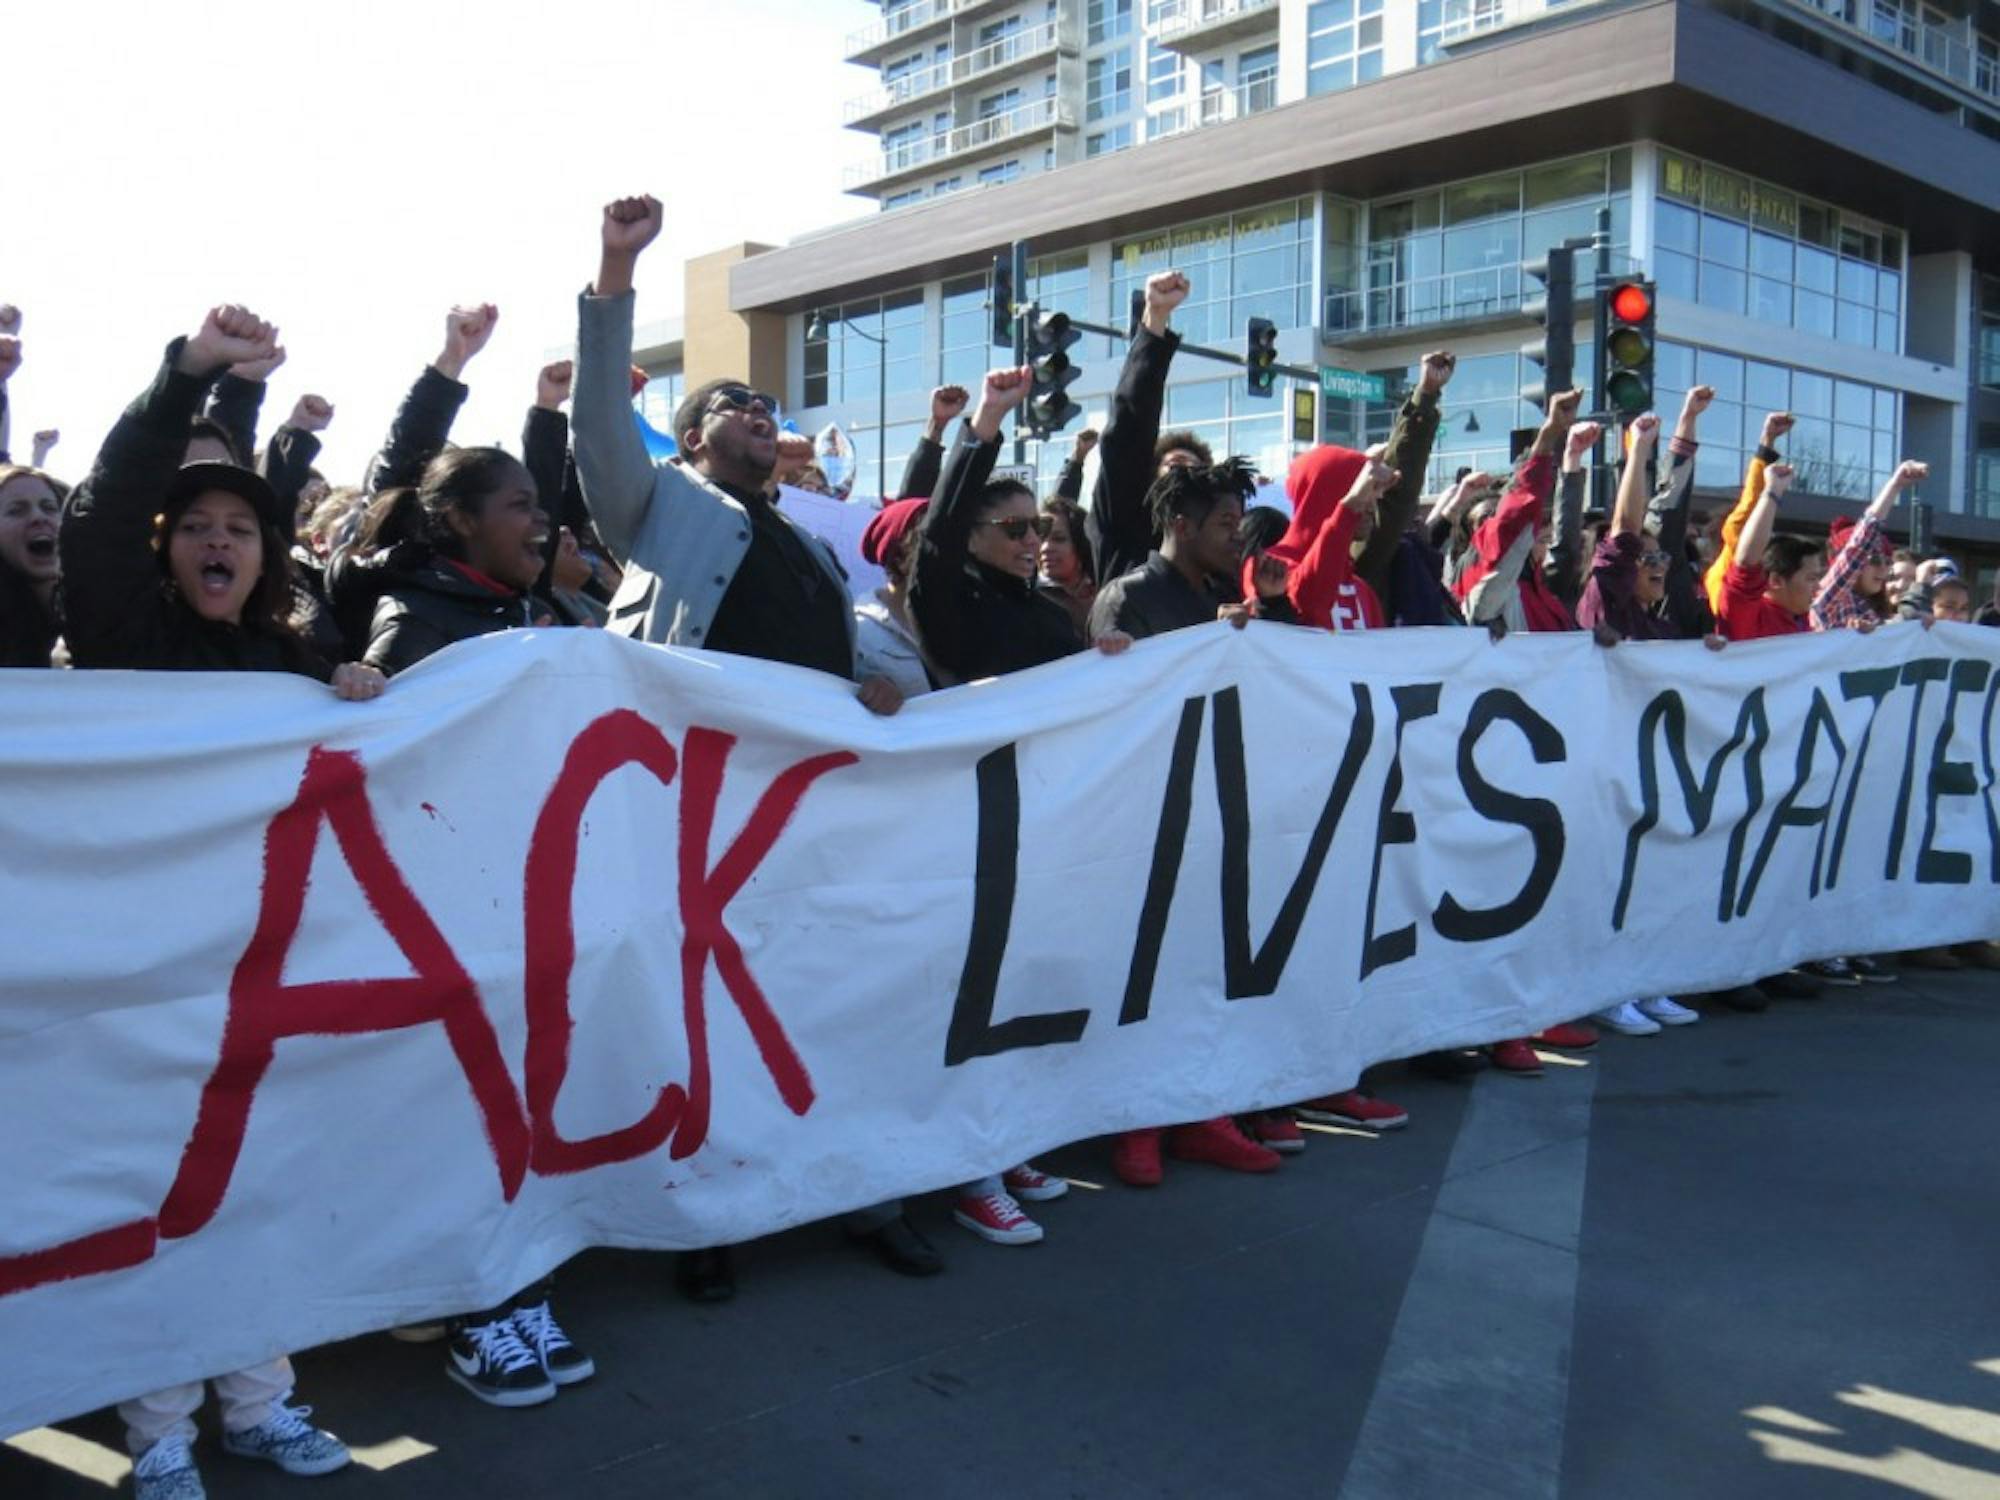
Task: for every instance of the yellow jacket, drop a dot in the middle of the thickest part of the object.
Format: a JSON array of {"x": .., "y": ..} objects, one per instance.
[{"x": 1732, "y": 529}]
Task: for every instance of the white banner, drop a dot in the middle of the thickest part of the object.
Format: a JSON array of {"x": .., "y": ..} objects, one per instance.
[{"x": 317, "y": 1017}]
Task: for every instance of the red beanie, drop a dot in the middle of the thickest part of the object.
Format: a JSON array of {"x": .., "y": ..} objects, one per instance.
[{"x": 884, "y": 537}]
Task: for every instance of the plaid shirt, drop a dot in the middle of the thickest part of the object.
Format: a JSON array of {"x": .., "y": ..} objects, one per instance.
[{"x": 1837, "y": 605}]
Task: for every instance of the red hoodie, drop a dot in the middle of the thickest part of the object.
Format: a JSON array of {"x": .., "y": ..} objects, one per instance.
[
  {"x": 1323, "y": 587},
  {"x": 1512, "y": 525}
]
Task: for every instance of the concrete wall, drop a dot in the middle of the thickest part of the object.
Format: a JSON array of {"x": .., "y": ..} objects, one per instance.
[{"x": 724, "y": 344}]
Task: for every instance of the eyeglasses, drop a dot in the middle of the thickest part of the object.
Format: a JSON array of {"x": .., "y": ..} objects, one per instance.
[
  {"x": 1016, "y": 528},
  {"x": 742, "y": 398},
  {"x": 1654, "y": 559}
]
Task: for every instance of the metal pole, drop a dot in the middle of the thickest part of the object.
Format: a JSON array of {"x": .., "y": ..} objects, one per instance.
[
  {"x": 882, "y": 411},
  {"x": 1020, "y": 341},
  {"x": 1600, "y": 244}
]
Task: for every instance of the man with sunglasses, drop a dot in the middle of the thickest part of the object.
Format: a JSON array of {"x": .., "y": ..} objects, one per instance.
[{"x": 709, "y": 561}]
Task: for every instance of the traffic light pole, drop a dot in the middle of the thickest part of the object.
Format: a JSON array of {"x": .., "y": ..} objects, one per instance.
[
  {"x": 1202, "y": 351},
  {"x": 1020, "y": 267},
  {"x": 1600, "y": 251}
]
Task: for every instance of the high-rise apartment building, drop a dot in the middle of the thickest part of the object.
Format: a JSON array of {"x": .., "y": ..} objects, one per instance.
[{"x": 1814, "y": 185}]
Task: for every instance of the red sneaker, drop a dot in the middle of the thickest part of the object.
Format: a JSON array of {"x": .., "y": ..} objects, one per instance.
[
  {"x": 1515, "y": 1057},
  {"x": 1219, "y": 1143},
  {"x": 1032, "y": 1186},
  {"x": 1136, "y": 1158},
  {"x": 1354, "y": 1109},
  {"x": 1276, "y": 1130},
  {"x": 1570, "y": 1037},
  {"x": 998, "y": 1218}
]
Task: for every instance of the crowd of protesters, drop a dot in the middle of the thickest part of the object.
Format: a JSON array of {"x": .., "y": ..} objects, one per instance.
[{"x": 191, "y": 546}]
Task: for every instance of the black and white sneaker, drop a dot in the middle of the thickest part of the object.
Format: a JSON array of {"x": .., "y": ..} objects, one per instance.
[
  {"x": 1829, "y": 971},
  {"x": 560, "y": 1360},
  {"x": 490, "y": 1361}
]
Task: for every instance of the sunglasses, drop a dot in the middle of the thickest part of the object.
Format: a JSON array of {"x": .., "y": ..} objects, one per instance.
[
  {"x": 742, "y": 398},
  {"x": 1016, "y": 528},
  {"x": 1654, "y": 559}
]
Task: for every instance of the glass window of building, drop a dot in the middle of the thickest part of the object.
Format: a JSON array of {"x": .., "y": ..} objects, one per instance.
[
  {"x": 1107, "y": 85},
  {"x": 1430, "y": 31},
  {"x": 657, "y": 401},
  {"x": 1343, "y": 44},
  {"x": 1163, "y": 74},
  {"x": 1105, "y": 20},
  {"x": 1257, "y": 80},
  {"x": 1478, "y": 419},
  {"x": 965, "y": 332},
  {"x": 1117, "y": 138},
  {"x": 847, "y": 361},
  {"x": 1844, "y": 443},
  {"x": 1989, "y": 331},
  {"x": 1256, "y": 263},
  {"x": 1742, "y": 246},
  {"x": 1455, "y": 252},
  {"x": 1005, "y": 171}
]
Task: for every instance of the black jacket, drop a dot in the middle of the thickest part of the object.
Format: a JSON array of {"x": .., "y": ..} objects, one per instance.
[
  {"x": 117, "y": 610},
  {"x": 1119, "y": 526},
  {"x": 974, "y": 621},
  {"x": 431, "y": 606},
  {"x": 1157, "y": 598},
  {"x": 421, "y": 428}
]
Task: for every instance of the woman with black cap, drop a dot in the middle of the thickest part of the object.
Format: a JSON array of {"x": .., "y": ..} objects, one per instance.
[{"x": 184, "y": 568}]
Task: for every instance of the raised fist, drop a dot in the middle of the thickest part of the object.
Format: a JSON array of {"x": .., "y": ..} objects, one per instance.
[
  {"x": 1777, "y": 479},
  {"x": 631, "y": 224},
  {"x": 1165, "y": 291},
  {"x": 1698, "y": 400},
  {"x": 466, "y": 330},
  {"x": 1006, "y": 389},
  {"x": 795, "y": 449},
  {"x": 229, "y": 335},
  {"x": 947, "y": 401},
  {"x": 10, "y": 318},
  {"x": 1563, "y": 408},
  {"x": 1582, "y": 438},
  {"x": 1085, "y": 441},
  {"x": 1776, "y": 426},
  {"x": 1438, "y": 368},
  {"x": 1909, "y": 472},
  {"x": 1645, "y": 430},
  {"x": 10, "y": 356},
  {"x": 552, "y": 385},
  {"x": 1374, "y": 478},
  {"x": 311, "y": 414},
  {"x": 258, "y": 369},
  {"x": 45, "y": 441}
]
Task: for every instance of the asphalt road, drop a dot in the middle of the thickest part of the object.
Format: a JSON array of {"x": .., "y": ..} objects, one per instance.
[{"x": 1751, "y": 1257}]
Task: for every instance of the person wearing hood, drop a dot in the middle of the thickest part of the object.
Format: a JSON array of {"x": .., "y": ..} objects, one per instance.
[
  {"x": 183, "y": 567},
  {"x": 885, "y": 637},
  {"x": 1503, "y": 579}
]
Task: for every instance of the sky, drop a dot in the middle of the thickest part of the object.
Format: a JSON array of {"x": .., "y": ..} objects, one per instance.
[{"x": 349, "y": 171}]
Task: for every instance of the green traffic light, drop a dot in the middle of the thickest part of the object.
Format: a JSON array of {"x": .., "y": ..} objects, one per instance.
[{"x": 1628, "y": 391}]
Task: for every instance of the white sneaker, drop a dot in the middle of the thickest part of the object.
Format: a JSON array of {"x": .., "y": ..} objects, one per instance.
[
  {"x": 166, "y": 1471},
  {"x": 1668, "y": 1012},
  {"x": 997, "y": 1217},
  {"x": 1628, "y": 1020}
]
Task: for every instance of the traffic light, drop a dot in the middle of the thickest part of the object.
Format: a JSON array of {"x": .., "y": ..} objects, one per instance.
[
  {"x": 1555, "y": 309},
  {"x": 1260, "y": 355},
  {"x": 1625, "y": 314},
  {"x": 1049, "y": 408},
  {"x": 1002, "y": 303}
]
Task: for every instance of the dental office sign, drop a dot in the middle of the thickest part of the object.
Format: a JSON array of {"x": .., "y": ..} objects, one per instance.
[{"x": 319, "y": 1017}]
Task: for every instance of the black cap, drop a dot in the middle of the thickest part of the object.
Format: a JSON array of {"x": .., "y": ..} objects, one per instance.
[{"x": 199, "y": 479}]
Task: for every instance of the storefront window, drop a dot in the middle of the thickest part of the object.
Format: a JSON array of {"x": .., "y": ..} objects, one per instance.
[{"x": 1740, "y": 245}]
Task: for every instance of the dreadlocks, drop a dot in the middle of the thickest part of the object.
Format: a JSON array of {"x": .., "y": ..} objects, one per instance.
[{"x": 1194, "y": 491}]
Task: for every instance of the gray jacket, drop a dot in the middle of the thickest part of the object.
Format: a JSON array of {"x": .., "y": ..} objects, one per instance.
[{"x": 679, "y": 538}]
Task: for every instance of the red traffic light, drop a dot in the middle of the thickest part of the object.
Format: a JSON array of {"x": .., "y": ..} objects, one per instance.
[{"x": 1631, "y": 303}]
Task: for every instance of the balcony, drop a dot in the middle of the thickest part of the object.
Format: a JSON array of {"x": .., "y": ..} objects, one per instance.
[
  {"x": 996, "y": 59},
  {"x": 1198, "y": 25},
  {"x": 1469, "y": 18},
  {"x": 1386, "y": 313},
  {"x": 908, "y": 24},
  {"x": 917, "y": 158},
  {"x": 1951, "y": 50}
]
